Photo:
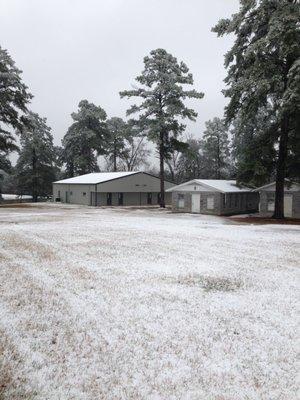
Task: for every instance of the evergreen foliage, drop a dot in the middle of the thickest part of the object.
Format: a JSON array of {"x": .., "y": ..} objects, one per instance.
[
  {"x": 162, "y": 108},
  {"x": 14, "y": 98},
  {"x": 85, "y": 140},
  {"x": 35, "y": 169},
  {"x": 264, "y": 74}
]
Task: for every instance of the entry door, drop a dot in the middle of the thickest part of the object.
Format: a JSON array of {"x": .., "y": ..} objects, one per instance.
[
  {"x": 149, "y": 198},
  {"x": 288, "y": 206},
  {"x": 108, "y": 199},
  {"x": 196, "y": 203},
  {"x": 120, "y": 199}
]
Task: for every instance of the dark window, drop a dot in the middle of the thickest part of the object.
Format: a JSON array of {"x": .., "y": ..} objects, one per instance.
[
  {"x": 120, "y": 199},
  {"x": 71, "y": 193},
  {"x": 108, "y": 199},
  {"x": 58, "y": 193},
  {"x": 83, "y": 193},
  {"x": 149, "y": 198},
  {"x": 224, "y": 200}
]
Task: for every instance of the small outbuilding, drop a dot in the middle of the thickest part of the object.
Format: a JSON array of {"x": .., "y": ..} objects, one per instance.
[
  {"x": 111, "y": 189},
  {"x": 291, "y": 199},
  {"x": 213, "y": 196}
]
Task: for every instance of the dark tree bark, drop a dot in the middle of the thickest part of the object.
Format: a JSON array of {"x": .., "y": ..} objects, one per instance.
[
  {"x": 34, "y": 179},
  {"x": 162, "y": 170},
  {"x": 219, "y": 166},
  {"x": 115, "y": 156},
  {"x": 281, "y": 170},
  {"x": 282, "y": 153}
]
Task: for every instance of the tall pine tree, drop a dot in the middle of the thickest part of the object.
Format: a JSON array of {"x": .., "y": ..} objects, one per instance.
[
  {"x": 162, "y": 107},
  {"x": 14, "y": 98},
  {"x": 85, "y": 140},
  {"x": 264, "y": 73},
  {"x": 35, "y": 169}
]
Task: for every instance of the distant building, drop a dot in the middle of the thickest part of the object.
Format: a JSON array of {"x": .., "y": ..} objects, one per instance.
[
  {"x": 111, "y": 189},
  {"x": 291, "y": 199},
  {"x": 213, "y": 196}
]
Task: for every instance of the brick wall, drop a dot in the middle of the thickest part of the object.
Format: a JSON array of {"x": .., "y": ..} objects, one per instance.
[{"x": 233, "y": 203}]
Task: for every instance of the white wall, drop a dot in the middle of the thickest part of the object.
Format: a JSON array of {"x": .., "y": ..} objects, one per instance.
[{"x": 133, "y": 183}]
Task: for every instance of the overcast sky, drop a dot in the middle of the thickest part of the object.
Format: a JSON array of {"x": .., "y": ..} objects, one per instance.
[{"x": 70, "y": 50}]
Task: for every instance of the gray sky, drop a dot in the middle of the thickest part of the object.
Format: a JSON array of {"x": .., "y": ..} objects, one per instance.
[{"x": 91, "y": 49}]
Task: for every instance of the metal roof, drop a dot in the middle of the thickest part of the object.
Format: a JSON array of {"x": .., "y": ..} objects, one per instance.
[
  {"x": 220, "y": 185},
  {"x": 96, "y": 177}
]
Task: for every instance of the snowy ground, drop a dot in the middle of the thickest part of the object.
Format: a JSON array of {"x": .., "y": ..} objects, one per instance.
[{"x": 144, "y": 304}]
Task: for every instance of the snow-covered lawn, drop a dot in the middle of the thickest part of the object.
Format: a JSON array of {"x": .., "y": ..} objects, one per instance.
[{"x": 144, "y": 304}]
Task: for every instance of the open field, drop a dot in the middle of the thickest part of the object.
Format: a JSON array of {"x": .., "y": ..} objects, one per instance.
[{"x": 143, "y": 304}]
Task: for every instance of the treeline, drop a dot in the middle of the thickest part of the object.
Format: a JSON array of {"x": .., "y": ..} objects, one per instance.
[
  {"x": 256, "y": 142},
  {"x": 123, "y": 145}
]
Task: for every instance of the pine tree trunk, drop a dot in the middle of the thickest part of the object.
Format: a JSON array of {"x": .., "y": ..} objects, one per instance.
[
  {"x": 280, "y": 170},
  {"x": 162, "y": 170},
  {"x": 219, "y": 167},
  {"x": 34, "y": 181},
  {"x": 115, "y": 156}
]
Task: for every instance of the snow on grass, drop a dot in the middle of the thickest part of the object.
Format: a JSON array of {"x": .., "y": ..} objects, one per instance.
[{"x": 144, "y": 304}]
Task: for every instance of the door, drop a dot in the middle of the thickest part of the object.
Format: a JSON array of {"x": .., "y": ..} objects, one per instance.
[
  {"x": 67, "y": 197},
  {"x": 196, "y": 203},
  {"x": 108, "y": 199},
  {"x": 288, "y": 206},
  {"x": 158, "y": 198},
  {"x": 149, "y": 198},
  {"x": 120, "y": 199}
]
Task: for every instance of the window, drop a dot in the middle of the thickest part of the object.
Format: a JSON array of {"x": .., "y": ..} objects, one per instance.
[
  {"x": 149, "y": 198},
  {"x": 180, "y": 201},
  {"x": 58, "y": 193},
  {"x": 71, "y": 193},
  {"x": 210, "y": 203},
  {"x": 108, "y": 199},
  {"x": 83, "y": 193},
  {"x": 271, "y": 205},
  {"x": 120, "y": 199}
]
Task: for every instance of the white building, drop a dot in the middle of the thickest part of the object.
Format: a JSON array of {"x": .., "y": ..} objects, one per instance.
[{"x": 111, "y": 189}]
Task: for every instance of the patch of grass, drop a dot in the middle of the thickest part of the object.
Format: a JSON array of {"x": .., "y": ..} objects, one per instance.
[{"x": 211, "y": 283}]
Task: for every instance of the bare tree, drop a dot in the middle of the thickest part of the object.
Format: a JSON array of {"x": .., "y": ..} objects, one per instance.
[{"x": 135, "y": 154}]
